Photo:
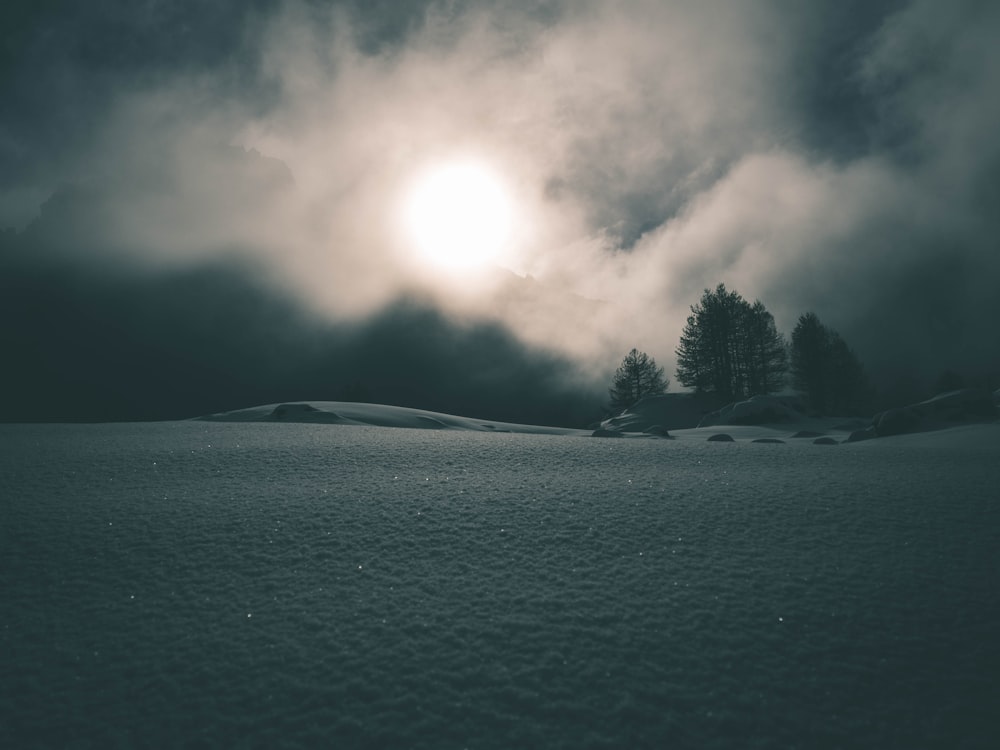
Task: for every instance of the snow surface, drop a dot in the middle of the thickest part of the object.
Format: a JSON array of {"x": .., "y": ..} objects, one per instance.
[{"x": 301, "y": 585}]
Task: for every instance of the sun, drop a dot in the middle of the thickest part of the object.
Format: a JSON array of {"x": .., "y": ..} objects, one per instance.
[{"x": 458, "y": 216}]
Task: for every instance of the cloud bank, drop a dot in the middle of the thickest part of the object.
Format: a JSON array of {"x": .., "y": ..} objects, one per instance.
[{"x": 839, "y": 158}]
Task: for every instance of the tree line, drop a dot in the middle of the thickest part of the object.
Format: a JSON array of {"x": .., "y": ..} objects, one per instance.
[{"x": 731, "y": 348}]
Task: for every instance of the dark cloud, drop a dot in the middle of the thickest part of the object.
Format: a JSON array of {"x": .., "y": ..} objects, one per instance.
[
  {"x": 835, "y": 113},
  {"x": 93, "y": 345}
]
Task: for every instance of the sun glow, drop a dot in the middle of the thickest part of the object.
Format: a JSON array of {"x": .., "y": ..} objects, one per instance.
[{"x": 458, "y": 216}]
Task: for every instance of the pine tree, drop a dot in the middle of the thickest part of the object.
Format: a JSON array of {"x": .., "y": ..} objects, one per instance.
[
  {"x": 848, "y": 387},
  {"x": 810, "y": 342},
  {"x": 826, "y": 370},
  {"x": 766, "y": 351},
  {"x": 731, "y": 347},
  {"x": 636, "y": 377}
]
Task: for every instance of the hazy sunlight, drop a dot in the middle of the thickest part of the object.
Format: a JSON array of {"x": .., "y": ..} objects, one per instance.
[{"x": 458, "y": 216}]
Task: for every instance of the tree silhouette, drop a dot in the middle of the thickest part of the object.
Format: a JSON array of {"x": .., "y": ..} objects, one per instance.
[
  {"x": 810, "y": 341},
  {"x": 826, "y": 370},
  {"x": 731, "y": 347},
  {"x": 637, "y": 376}
]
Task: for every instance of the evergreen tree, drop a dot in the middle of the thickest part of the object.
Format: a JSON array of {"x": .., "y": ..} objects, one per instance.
[
  {"x": 826, "y": 370},
  {"x": 731, "y": 347},
  {"x": 766, "y": 351},
  {"x": 848, "y": 389},
  {"x": 810, "y": 342},
  {"x": 636, "y": 377}
]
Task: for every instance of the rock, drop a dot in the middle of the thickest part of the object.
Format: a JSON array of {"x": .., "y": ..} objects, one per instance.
[
  {"x": 672, "y": 411},
  {"x": 965, "y": 405},
  {"x": 895, "y": 422},
  {"x": 602, "y": 433},
  {"x": 658, "y": 430},
  {"x": 756, "y": 410},
  {"x": 945, "y": 409},
  {"x": 768, "y": 440},
  {"x": 858, "y": 435},
  {"x": 852, "y": 424},
  {"x": 282, "y": 411},
  {"x": 721, "y": 438},
  {"x": 824, "y": 441}
]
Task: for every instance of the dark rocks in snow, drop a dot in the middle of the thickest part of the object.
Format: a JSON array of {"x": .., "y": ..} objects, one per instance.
[
  {"x": 658, "y": 430},
  {"x": 825, "y": 441},
  {"x": 858, "y": 435},
  {"x": 757, "y": 410},
  {"x": 768, "y": 440},
  {"x": 283, "y": 411},
  {"x": 963, "y": 406},
  {"x": 945, "y": 409},
  {"x": 721, "y": 438},
  {"x": 968, "y": 404},
  {"x": 671, "y": 411},
  {"x": 303, "y": 413},
  {"x": 602, "y": 433},
  {"x": 852, "y": 424},
  {"x": 896, "y": 422}
]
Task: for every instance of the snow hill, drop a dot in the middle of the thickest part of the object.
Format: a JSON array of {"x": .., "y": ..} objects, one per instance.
[
  {"x": 945, "y": 409},
  {"x": 673, "y": 416},
  {"x": 379, "y": 415}
]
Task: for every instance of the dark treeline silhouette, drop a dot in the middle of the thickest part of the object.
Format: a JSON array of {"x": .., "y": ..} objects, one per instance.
[
  {"x": 826, "y": 370},
  {"x": 731, "y": 347}
]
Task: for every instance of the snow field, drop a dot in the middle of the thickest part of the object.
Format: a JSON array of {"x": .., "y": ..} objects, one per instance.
[{"x": 301, "y": 584}]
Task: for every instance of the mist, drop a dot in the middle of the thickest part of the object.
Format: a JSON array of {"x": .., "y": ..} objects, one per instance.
[{"x": 840, "y": 159}]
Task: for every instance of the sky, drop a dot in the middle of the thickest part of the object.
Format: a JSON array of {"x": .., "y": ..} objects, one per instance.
[{"x": 833, "y": 157}]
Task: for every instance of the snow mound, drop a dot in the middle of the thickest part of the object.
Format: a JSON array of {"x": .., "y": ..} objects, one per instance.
[
  {"x": 757, "y": 410},
  {"x": 303, "y": 413},
  {"x": 377, "y": 415},
  {"x": 944, "y": 410},
  {"x": 807, "y": 434}
]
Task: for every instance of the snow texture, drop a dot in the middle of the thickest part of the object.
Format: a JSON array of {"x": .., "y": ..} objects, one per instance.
[{"x": 321, "y": 585}]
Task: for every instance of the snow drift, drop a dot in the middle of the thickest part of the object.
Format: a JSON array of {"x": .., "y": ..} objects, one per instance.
[
  {"x": 945, "y": 409},
  {"x": 376, "y": 415}
]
